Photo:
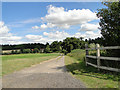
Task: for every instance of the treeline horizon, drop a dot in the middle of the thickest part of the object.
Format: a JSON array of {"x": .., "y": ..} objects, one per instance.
[{"x": 68, "y": 43}]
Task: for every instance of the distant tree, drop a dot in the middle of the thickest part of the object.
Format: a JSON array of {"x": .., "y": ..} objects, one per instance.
[
  {"x": 81, "y": 38},
  {"x": 70, "y": 47},
  {"x": 92, "y": 45},
  {"x": 16, "y": 52},
  {"x": 47, "y": 49},
  {"x": 21, "y": 48},
  {"x": 74, "y": 41},
  {"x": 59, "y": 48},
  {"x": 64, "y": 51},
  {"x": 86, "y": 40},
  {"x": 12, "y": 52},
  {"x": 82, "y": 44},
  {"x": 60, "y": 43},
  {"x": 36, "y": 50},
  {"x": 26, "y": 50},
  {"x": 31, "y": 50},
  {"x": 54, "y": 46},
  {"x": 38, "y": 47},
  {"x": 47, "y": 43}
]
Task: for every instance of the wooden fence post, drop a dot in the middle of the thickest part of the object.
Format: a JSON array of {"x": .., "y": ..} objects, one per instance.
[
  {"x": 98, "y": 55},
  {"x": 86, "y": 46}
]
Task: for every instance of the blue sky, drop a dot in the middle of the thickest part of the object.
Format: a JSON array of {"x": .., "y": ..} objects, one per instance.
[{"x": 23, "y": 21}]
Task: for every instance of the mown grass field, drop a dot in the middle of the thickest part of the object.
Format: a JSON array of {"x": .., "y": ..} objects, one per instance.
[
  {"x": 11, "y": 63},
  {"x": 89, "y": 75}
]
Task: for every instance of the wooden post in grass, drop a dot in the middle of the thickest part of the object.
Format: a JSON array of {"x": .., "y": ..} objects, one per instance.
[
  {"x": 86, "y": 49},
  {"x": 98, "y": 55}
]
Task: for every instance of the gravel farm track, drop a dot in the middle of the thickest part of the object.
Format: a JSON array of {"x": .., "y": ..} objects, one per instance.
[{"x": 48, "y": 74}]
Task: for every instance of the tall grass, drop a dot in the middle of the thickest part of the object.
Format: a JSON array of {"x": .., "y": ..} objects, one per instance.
[
  {"x": 78, "y": 54},
  {"x": 75, "y": 64},
  {"x": 103, "y": 62}
]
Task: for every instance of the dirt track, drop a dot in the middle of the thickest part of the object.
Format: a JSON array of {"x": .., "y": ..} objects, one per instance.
[{"x": 49, "y": 74}]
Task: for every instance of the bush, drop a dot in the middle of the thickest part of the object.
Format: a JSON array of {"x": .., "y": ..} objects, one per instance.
[
  {"x": 69, "y": 54},
  {"x": 108, "y": 63},
  {"x": 77, "y": 53},
  {"x": 31, "y": 50},
  {"x": 36, "y": 50},
  {"x": 16, "y": 52},
  {"x": 64, "y": 51},
  {"x": 12, "y": 52},
  {"x": 21, "y": 50},
  {"x": 26, "y": 50},
  {"x": 47, "y": 49},
  {"x": 5, "y": 53},
  {"x": 92, "y": 45}
]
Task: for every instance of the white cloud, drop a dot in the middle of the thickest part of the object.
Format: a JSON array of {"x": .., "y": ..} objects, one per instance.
[
  {"x": 43, "y": 26},
  {"x": 48, "y": 37},
  {"x": 93, "y": 35},
  {"x": 62, "y": 18},
  {"x": 33, "y": 20},
  {"x": 6, "y": 37},
  {"x": 78, "y": 35},
  {"x": 89, "y": 27},
  {"x": 35, "y": 27},
  {"x": 22, "y": 23},
  {"x": 3, "y": 29},
  {"x": 9, "y": 38},
  {"x": 1, "y": 24},
  {"x": 37, "y": 39},
  {"x": 33, "y": 37},
  {"x": 88, "y": 34},
  {"x": 57, "y": 35}
]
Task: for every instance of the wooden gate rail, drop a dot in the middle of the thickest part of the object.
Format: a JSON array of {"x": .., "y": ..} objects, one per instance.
[{"x": 98, "y": 57}]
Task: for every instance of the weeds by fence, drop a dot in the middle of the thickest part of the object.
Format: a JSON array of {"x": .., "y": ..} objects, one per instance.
[{"x": 99, "y": 58}]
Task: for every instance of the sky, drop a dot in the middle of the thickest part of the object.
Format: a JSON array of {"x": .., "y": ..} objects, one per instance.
[{"x": 42, "y": 22}]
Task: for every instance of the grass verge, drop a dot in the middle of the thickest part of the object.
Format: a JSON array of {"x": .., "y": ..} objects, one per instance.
[
  {"x": 11, "y": 63},
  {"x": 89, "y": 75}
]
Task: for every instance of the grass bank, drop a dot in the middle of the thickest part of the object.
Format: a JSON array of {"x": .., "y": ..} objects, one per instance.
[
  {"x": 89, "y": 75},
  {"x": 11, "y": 63}
]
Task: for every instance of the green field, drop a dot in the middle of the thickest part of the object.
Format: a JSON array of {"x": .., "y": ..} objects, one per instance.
[
  {"x": 89, "y": 75},
  {"x": 11, "y": 63}
]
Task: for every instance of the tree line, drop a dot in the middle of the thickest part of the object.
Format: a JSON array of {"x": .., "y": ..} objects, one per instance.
[{"x": 64, "y": 46}]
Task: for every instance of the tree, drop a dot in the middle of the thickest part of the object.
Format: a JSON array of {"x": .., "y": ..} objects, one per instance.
[
  {"x": 92, "y": 45},
  {"x": 59, "y": 48},
  {"x": 47, "y": 49},
  {"x": 36, "y": 50},
  {"x": 38, "y": 47},
  {"x": 47, "y": 43},
  {"x": 81, "y": 38},
  {"x": 86, "y": 40},
  {"x": 64, "y": 51},
  {"x": 109, "y": 23},
  {"x": 16, "y": 52},
  {"x": 13, "y": 52},
  {"x": 26, "y": 50},
  {"x": 74, "y": 41},
  {"x": 110, "y": 28},
  {"x": 70, "y": 47},
  {"x": 54, "y": 46},
  {"x": 21, "y": 48}
]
